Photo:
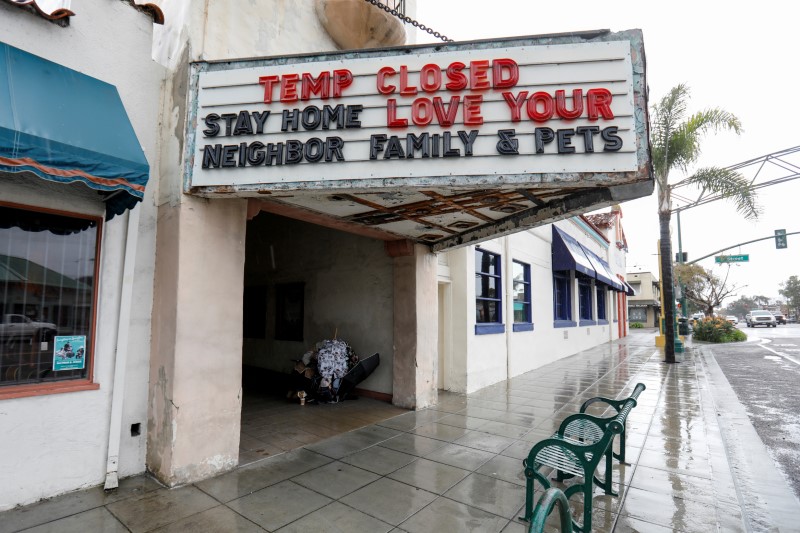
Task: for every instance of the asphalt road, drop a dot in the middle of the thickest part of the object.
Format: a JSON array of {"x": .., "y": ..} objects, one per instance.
[{"x": 765, "y": 375}]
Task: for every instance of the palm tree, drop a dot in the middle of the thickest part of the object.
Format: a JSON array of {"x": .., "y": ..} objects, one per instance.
[{"x": 675, "y": 140}]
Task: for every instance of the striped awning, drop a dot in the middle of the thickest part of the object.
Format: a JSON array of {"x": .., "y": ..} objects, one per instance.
[{"x": 64, "y": 126}]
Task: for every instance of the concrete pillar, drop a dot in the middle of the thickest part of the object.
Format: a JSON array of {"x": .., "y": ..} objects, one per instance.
[
  {"x": 415, "y": 329},
  {"x": 196, "y": 370}
]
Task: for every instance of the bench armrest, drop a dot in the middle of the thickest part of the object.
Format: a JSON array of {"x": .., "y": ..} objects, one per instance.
[
  {"x": 597, "y": 399},
  {"x": 616, "y": 404}
]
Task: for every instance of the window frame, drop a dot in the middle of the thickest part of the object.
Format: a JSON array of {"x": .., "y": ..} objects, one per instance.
[
  {"x": 527, "y": 324},
  {"x": 486, "y": 328},
  {"x": 585, "y": 285},
  {"x": 637, "y": 312},
  {"x": 565, "y": 320},
  {"x": 601, "y": 297},
  {"x": 76, "y": 384}
]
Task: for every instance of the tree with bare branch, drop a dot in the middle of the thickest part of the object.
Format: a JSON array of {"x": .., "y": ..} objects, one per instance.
[{"x": 703, "y": 287}]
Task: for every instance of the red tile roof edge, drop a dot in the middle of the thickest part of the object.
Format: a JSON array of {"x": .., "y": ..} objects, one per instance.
[
  {"x": 61, "y": 13},
  {"x": 58, "y": 14}
]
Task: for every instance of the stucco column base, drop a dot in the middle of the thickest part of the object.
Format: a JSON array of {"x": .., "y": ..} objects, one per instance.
[
  {"x": 195, "y": 396},
  {"x": 415, "y": 330}
]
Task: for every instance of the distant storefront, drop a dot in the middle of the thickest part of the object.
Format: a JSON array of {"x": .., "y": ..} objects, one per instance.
[{"x": 644, "y": 306}]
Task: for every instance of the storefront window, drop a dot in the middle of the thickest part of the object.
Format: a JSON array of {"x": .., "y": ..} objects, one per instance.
[
  {"x": 47, "y": 292},
  {"x": 487, "y": 287},
  {"x": 488, "y": 293},
  {"x": 522, "y": 296},
  {"x": 637, "y": 314},
  {"x": 585, "y": 299},
  {"x": 601, "y": 302},
  {"x": 562, "y": 311}
]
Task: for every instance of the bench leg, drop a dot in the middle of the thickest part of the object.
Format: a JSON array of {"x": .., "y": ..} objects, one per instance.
[
  {"x": 621, "y": 454},
  {"x": 586, "y": 489},
  {"x": 606, "y": 484},
  {"x": 587, "y": 508},
  {"x": 530, "y": 476}
]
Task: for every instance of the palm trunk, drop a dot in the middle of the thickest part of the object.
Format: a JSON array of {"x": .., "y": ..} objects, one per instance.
[{"x": 667, "y": 287}]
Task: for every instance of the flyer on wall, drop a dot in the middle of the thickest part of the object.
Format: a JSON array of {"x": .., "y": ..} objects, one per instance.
[{"x": 69, "y": 352}]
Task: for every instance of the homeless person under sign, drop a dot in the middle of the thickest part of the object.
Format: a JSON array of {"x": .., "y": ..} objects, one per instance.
[{"x": 329, "y": 372}]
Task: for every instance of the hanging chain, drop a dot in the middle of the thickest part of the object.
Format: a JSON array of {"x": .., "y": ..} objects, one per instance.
[{"x": 408, "y": 20}]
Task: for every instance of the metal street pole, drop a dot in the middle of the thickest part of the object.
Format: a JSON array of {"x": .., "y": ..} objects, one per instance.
[{"x": 680, "y": 260}]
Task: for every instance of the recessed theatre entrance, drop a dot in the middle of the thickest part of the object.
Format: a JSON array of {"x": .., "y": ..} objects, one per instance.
[
  {"x": 382, "y": 158},
  {"x": 305, "y": 284}
]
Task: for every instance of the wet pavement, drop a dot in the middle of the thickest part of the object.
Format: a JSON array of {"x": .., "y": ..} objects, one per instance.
[
  {"x": 695, "y": 464},
  {"x": 770, "y": 357}
]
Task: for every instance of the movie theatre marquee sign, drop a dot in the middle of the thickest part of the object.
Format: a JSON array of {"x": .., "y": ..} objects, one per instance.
[{"x": 489, "y": 110}]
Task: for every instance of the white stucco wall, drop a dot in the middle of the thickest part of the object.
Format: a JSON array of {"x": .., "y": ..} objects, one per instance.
[
  {"x": 57, "y": 443},
  {"x": 208, "y": 31},
  {"x": 481, "y": 360}
]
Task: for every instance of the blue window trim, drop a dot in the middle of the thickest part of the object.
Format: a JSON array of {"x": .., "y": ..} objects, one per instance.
[
  {"x": 602, "y": 322},
  {"x": 526, "y": 282},
  {"x": 564, "y": 324},
  {"x": 523, "y": 326},
  {"x": 588, "y": 323},
  {"x": 585, "y": 284},
  {"x": 557, "y": 276},
  {"x": 602, "y": 310},
  {"x": 489, "y": 329},
  {"x": 499, "y": 300}
]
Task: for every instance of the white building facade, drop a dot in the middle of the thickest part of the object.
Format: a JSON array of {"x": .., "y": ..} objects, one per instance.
[
  {"x": 66, "y": 420},
  {"x": 485, "y": 338},
  {"x": 170, "y": 281}
]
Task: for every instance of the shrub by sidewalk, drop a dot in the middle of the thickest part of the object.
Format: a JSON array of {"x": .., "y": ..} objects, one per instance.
[{"x": 717, "y": 329}]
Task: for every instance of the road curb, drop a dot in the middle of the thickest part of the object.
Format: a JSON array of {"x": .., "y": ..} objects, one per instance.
[{"x": 767, "y": 501}]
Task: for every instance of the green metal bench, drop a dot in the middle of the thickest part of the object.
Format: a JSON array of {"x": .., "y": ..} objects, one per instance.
[
  {"x": 577, "y": 428},
  {"x": 576, "y": 449}
]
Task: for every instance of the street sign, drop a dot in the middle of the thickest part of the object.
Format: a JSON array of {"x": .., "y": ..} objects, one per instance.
[
  {"x": 780, "y": 238},
  {"x": 741, "y": 258}
]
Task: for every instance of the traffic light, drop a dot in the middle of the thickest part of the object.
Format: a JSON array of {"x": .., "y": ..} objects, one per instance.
[
  {"x": 681, "y": 257},
  {"x": 780, "y": 239}
]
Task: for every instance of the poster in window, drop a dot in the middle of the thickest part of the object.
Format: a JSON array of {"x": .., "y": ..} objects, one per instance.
[
  {"x": 289, "y": 311},
  {"x": 69, "y": 352}
]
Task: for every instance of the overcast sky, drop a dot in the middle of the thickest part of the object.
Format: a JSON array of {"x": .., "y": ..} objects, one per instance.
[{"x": 740, "y": 56}]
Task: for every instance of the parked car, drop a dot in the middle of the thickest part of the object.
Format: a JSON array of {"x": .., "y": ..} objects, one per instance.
[
  {"x": 732, "y": 319},
  {"x": 759, "y": 317},
  {"x": 779, "y": 318},
  {"x": 19, "y": 327}
]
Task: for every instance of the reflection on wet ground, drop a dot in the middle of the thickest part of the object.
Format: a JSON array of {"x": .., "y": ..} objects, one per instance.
[{"x": 457, "y": 466}]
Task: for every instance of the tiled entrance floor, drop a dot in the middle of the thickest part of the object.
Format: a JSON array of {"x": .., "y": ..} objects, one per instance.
[
  {"x": 454, "y": 467},
  {"x": 272, "y": 425}
]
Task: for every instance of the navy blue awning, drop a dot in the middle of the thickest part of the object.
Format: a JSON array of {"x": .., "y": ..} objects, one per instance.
[
  {"x": 568, "y": 254},
  {"x": 64, "y": 126},
  {"x": 603, "y": 271},
  {"x": 628, "y": 289}
]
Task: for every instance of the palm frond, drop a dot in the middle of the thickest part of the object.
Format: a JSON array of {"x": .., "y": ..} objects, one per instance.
[
  {"x": 666, "y": 118},
  {"x": 714, "y": 120},
  {"x": 676, "y": 139},
  {"x": 728, "y": 184}
]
